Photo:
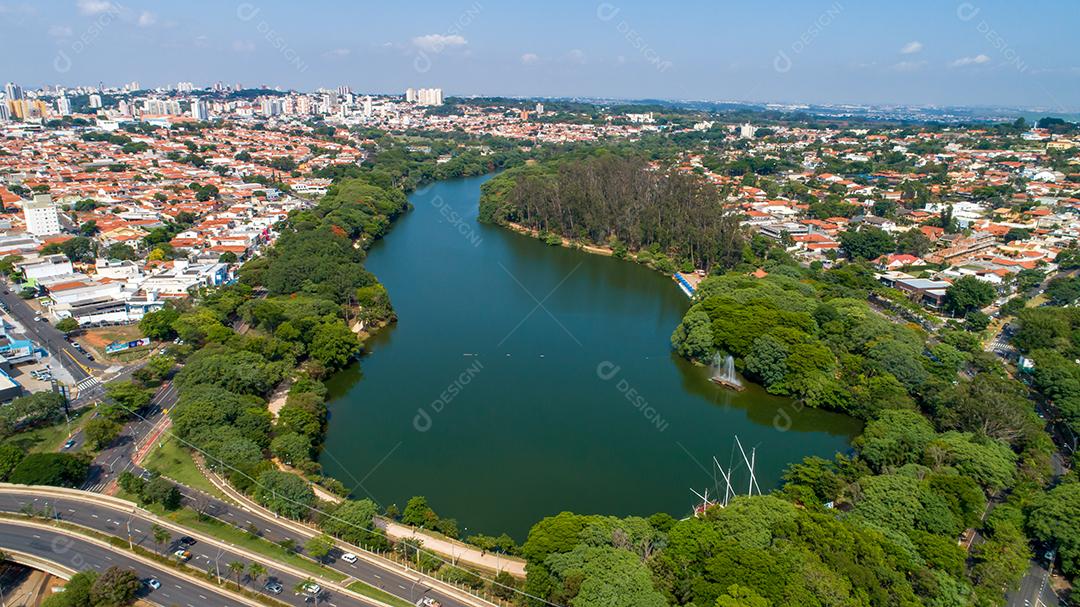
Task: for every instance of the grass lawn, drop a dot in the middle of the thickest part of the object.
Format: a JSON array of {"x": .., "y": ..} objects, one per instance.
[
  {"x": 49, "y": 439},
  {"x": 173, "y": 461},
  {"x": 187, "y": 517},
  {"x": 378, "y": 595}
]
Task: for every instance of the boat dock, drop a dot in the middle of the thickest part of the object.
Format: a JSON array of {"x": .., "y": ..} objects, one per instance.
[{"x": 688, "y": 282}]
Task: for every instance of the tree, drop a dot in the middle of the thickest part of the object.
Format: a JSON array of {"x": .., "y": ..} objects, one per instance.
[
  {"x": 10, "y": 456},
  {"x": 334, "y": 344},
  {"x": 162, "y": 537},
  {"x": 867, "y": 243},
  {"x": 237, "y": 569},
  {"x": 968, "y": 294},
  {"x": 128, "y": 395},
  {"x": 740, "y": 596},
  {"x": 913, "y": 242},
  {"x": 159, "y": 325},
  {"x": 101, "y": 432},
  {"x": 57, "y": 469},
  {"x": 417, "y": 512},
  {"x": 121, "y": 252},
  {"x": 284, "y": 493},
  {"x": 160, "y": 490},
  {"x": 291, "y": 448},
  {"x": 319, "y": 547},
  {"x": 76, "y": 592},
  {"x": 1063, "y": 291},
  {"x": 67, "y": 325},
  {"x": 115, "y": 587},
  {"x": 352, "y": 521},
  {"x": 1054, "y": 520},
  {"x": 895, "y": 438},
  {"x": 89, "y": 228},
  {"x": 255, "y": 570},
  {"x": 505, "y": 585}
]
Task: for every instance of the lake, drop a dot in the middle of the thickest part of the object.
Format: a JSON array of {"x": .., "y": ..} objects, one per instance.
[{"x": 523, "y": 379}]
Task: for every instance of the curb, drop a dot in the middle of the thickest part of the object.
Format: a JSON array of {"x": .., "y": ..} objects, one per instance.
[
  {"x": 138, "y": 557},
  {"x": 153, "y": 518},
  {"x": 248, "y": 505}
]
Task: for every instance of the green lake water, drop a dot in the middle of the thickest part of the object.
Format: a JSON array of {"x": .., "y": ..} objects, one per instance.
[{"x": 522, "y": 380}]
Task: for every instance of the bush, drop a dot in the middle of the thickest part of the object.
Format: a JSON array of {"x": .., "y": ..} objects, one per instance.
[{"x": 56, "y": 469}]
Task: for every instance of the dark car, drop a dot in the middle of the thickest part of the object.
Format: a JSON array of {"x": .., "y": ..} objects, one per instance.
[{"x": 187, "y": 540}]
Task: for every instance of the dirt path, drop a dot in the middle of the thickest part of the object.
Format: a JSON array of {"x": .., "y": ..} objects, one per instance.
[
  {"x": 278, "y": 398},
  {"x": 455, "y": 551}
]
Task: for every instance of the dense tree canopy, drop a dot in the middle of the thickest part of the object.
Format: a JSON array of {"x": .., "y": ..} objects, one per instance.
[{"x": 611, "y": 200}]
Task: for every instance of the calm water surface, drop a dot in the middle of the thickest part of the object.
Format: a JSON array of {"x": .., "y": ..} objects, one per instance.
[{"x": 523, "y": 380}]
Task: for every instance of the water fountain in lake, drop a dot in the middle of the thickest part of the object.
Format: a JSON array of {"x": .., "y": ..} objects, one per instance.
[{"x": 723, "y": 372}]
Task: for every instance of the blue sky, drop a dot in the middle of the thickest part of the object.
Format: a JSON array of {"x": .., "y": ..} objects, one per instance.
[{"x": 984, "y": 52}]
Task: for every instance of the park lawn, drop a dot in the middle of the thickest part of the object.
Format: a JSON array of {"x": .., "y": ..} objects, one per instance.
[
  {"x": 186, "y": 517},
  {"x": 49, "y": 439},
  {"x": 379, "y": 595},
  {"x": 171, "y": 460}
]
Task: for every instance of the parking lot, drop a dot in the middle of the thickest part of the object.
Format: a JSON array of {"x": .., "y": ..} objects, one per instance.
[{"x": 33, "y": 377}]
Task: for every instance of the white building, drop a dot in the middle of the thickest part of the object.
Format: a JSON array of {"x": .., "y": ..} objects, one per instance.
[
  {"x": 44, "y": 267},
  {"x": 95, "y": 101},
  {"x": 410, "y": 95},
  {"x": 41, "y": 216},
  {"x": 199, "y": 111},
  {"x": 747, "y": 131},
  {"x": 63, "y": 106},
  {"x": 429, "y": 97}
]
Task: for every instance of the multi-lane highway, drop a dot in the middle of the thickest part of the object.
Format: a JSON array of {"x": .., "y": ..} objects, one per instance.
[
  {"x": 207, "y": 554},
  {"x": 106, "y": 517},
  {"x": 73, "y": 552},
  {"x": 113, "y": 460}
]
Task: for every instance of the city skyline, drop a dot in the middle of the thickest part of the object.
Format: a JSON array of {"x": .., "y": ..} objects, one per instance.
[{"x": 953, "y": 53}]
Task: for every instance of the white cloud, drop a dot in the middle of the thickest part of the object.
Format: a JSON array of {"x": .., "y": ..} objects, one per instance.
[
  {"x": 966, "y": 61},
  {"x": 93, "y": 7},
  {"x": 576, "y": 56},
  {"x": 337, "y": 53},
  {"x": 436, "y": 43},
  {"x": 243, "y": 46},
  {"x": 530, "y": 58},
  {"x": 146, "y": 19},
  {"x": 60, "y": 31},
  {"x": 909, "y": 66},
  {"x": 912, "y": 47}
]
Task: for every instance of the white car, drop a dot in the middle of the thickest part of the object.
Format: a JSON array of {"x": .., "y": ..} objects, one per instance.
[
  {"x": 153, "y": 583},
  {"x": 348, "y": 557},
  {"x": 428, "y": 602},
  {"x": 312, "y": 589}
]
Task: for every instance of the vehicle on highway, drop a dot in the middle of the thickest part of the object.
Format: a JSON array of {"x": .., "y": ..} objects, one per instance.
[
  {"x": 312, "y": 588},
  {"x": 183, "y": 555},
  {"x": 69, "y": 444},
  {"x": 187, "y": 541},
  {"x": 273, "y": 588},
  {"x": 348, "y": 557},
  {"x": 152, "y": 583},
  {"x": 428, "y": 602},
  {"x": 38, "y": 318}
]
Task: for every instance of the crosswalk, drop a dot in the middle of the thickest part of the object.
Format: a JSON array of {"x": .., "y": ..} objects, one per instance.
[{"x": 88, "y": 383}]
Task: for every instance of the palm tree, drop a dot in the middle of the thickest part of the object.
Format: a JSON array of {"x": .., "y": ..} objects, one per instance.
[
  {"x": 256, "y": 571},
  {"x": 161, "y": 534},
  {"x": 237, "y": 567}
]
